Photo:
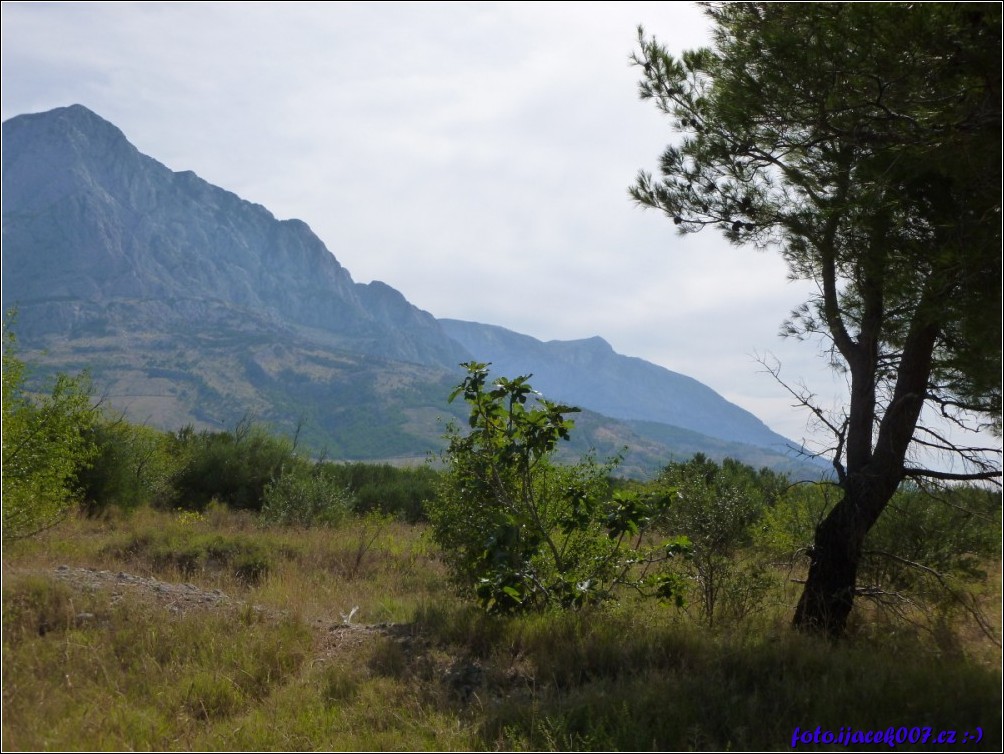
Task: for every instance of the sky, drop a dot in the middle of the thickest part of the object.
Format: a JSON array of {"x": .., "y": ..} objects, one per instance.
[{"x": 475, "y": 156}]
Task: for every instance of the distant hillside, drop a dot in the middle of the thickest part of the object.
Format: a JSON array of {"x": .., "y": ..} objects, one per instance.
[
  {"x": 589, "y": 372},
  {"x": 189, "y": 304}
]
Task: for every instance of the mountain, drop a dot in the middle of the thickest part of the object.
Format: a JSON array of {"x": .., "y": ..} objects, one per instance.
[
  {"x": 589, "y": 373},
  {"x": 98, "y": 237},
  {"x": 189, "y": 304}
]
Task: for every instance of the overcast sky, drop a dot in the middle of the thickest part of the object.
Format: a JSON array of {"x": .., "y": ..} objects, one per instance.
[{"x": 475, "y": 156}]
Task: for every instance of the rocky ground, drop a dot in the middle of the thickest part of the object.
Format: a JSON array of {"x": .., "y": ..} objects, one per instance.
[{"x": 178, "y": 598}]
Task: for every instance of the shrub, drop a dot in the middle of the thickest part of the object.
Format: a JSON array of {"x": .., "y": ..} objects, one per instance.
[
  {"x": 519, "y": 531},
  {"x": 927, "y": 554},
  {"x": 304, "y": 498},
  {"x": 133, "y": 466},
  {"x": 717, "y": 508},
  {"x": 45, "y": 444},
  {"x": 953, "y": 532},
  {"x": 386, "y": 489},
  {"x": 232, "y": 467}
]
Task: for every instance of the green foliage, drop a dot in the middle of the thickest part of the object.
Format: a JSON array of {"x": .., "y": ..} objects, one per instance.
[
  {"x": 862, "y": 142},
  {"x": 719, "y": 504},
  {"x": 718, "y": 508},
  {"x": 249, "y": 468},
  {"x": 523, "y": 533},
  {"x": 381, "y": 487},
  {"x": 45, "y": 444},
  {"x": 232, "y": 467},
  {"x": 305, "y": 496},
  {"x": 927, "y": 551},
  {"x": 788, "y": 526},
  {"x": 133, "y": 466},
  {"x": 953, "y": 532}
]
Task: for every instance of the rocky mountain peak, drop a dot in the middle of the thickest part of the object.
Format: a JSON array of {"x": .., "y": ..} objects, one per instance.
[{"x": 94, "y": 220}]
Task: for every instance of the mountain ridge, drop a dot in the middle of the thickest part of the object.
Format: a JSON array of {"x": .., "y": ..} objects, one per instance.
[
  {"x": 103, "y": 176},
  {"x": 622, "y": 387},
  {"x": 183, "y": 297}
]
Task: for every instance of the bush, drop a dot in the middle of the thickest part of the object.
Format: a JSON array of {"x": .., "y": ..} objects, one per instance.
[
  {"x": 45, "y": 445},
  {"x": 522, "y": 533},
  {"x": 789, "y": 525},
  {"x": 717, "y": 508},
  {"x": 928, "y": 552},
  {"x": 305, "y": 498},
  {"x": 953, "y": 532},
  {"x": 133, "y": 467},
  {"x": 385, "y": 489},
  {"x": 232, "y": 467}
]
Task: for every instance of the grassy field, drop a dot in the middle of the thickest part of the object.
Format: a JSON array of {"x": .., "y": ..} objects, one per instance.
[{"x": 206, "y": 631}]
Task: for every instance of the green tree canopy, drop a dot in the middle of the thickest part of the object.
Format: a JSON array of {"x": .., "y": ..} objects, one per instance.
[{"x": 863, "y": 142}]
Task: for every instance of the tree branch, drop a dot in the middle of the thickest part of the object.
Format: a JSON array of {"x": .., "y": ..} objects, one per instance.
[
  {"x": 949, "y": 445},
  {"x": 974, "y": 611},
  {"x": 946, "y": 475},
  {"x": 805, "y": 399}
]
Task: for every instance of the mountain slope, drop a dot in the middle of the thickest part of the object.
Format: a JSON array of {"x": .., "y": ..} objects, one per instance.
[
  {"x": 100, "y": 236},
  {"x": 589, "y": 372},
  {"x": 190, "y": 305}
]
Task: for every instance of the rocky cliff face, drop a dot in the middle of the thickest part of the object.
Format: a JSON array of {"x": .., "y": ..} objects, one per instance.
[{"x": 97, "y": 235}]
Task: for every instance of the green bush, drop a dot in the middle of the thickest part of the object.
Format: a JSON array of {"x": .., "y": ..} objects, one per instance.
[
  {"x": 305, "y": 498},
  {"x": 232, "y": 467},
  {"x": 521, "y": 532},
  {"x": 926, "y": 555},
  {"x": 133, "y": 467},
  {"x": 386, "y": 489},
  {"x": 930, "y": 541},
  {"x": 46, "y": 443},
  {"x": 788, "y": 526},
  {"x": 718, "y": 509}
]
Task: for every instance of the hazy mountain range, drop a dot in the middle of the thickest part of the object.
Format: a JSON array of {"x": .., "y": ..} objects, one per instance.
[{"x": 188, "y": 304}]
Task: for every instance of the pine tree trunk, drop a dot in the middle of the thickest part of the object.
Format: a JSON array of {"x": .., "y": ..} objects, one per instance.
[
  {"x": 833, "y": 567},
  {"x": 828, "y": 596}
]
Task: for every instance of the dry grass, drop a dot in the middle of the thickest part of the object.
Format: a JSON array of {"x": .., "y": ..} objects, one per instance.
[{"x": 276, "y": 667}]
